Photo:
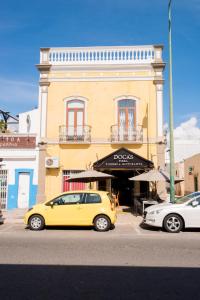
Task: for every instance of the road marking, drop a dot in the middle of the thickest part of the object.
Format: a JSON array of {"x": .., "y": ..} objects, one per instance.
[{"x": 137, "y": 230}]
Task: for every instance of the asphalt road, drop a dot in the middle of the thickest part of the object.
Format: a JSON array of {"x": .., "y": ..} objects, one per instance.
[{"x": 128, "y": 262}]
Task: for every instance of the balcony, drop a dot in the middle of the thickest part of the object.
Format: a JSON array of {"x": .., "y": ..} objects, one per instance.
[
  {"x": 112, "y": 55},
  {"x": 71, "y": 134},
  {"x": 126, "y": 135}
]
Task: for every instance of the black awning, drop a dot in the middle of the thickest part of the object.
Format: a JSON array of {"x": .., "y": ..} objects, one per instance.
[{"x": 123, "y": 159}]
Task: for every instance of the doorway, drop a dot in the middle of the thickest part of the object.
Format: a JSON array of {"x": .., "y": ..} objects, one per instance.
[
  {"x": 23, "y": 190},
  {"x": 124, "y": 187}
]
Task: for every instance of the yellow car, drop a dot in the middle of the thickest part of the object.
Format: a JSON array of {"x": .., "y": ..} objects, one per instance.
[{"x": 77, "y": 208}]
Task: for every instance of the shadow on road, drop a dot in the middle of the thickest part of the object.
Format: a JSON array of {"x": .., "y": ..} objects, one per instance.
[
  {"x": 88, "y": 228},
  {"x": 98, "y": 282},
  {"x": 157, "y": 229},
  {"x": 149, "y": 228}
]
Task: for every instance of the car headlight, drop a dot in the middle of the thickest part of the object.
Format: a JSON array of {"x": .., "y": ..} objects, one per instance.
[
  {"x": 155, "y": 211},
  {"x": 30, "y": 209}
]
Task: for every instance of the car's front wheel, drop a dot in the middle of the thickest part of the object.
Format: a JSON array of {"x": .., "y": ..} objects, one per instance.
[
  {"x": 102, "y": 223},
  {"x": 36, "y": 222},
  {"x": 173, "y": 223}
]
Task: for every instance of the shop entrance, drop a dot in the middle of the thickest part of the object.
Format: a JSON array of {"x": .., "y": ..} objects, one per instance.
[
  {"x": 128, "y": 191},
  {"x": 123, "y": 187},
  {"x": 124, "y": 164}
]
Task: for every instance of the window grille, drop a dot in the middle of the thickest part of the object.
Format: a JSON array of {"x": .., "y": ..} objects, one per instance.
[
  {"x": 3, "y": 188},
  {"x": 72, "y": 186}
]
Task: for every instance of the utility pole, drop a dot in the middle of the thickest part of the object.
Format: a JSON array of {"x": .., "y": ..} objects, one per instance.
[{"x": 171, "y": 117}]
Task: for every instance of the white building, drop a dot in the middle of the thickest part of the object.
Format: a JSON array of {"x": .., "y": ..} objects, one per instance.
[{"x": 19, "y": 163}]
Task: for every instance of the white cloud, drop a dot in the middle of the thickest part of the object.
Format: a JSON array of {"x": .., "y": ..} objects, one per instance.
[
  {"x": 187, "y": 130},
  {"x": 186, "y": 140}
]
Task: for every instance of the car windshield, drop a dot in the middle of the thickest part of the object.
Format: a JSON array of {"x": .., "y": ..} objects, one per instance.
[{"x": 186, "y": 198}]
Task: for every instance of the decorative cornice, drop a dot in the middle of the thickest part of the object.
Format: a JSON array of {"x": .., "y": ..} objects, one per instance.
[
  {"x": 159, "y": 65},
  {"x": 115, "y": 68},
  {"x": 158, "y": 81},
  {"x": 159, "y": 46},
  {"x": 44, "y": 83},
  {"x": 87, "y": 79},
  {"x": 45, "y": 48},
  {"x": 43, "y": 67}
]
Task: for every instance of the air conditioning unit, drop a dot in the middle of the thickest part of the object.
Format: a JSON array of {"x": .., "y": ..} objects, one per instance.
[{"x": 52, "y": 162}]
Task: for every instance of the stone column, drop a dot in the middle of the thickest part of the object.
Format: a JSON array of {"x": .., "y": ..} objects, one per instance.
[
  {"x": 160, "y": 151},
  {"x": 159, "y": 109},
  {"x": 44, "y": 68},
  {"x": 41, "y": 172},
  {"x": 43, "y": 97},
  {"x": 158, "y": 67}
]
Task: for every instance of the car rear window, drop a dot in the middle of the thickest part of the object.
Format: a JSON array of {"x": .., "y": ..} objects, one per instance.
[{"x": 92, "y": 198}]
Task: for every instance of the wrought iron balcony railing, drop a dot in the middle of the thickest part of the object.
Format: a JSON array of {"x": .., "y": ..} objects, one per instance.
[
  {"x": 130, "y": 134},
  {"x": 75, "y": 134}
]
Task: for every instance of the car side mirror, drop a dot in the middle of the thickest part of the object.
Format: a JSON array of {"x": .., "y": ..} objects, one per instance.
[
  {"x": 195, "y": 203},
  {"x": 51, "y": 204}
]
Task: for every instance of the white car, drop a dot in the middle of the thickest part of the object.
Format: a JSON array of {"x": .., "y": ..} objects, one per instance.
[{"x": 184, "y": 213}]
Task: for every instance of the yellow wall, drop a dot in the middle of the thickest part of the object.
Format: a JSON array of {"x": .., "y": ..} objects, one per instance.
[
  {"x": 80, "y": 157},
  {"x": 101, "y": 104},
  {"x": 101, "y": 114}
]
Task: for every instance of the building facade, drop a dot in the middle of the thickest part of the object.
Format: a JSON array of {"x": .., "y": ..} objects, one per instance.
[
  {"x": 192, "y": 174},
  {"x": 180, "y": 173},
  {"x": 19, "y": 164},
  {"x": 100, "y": 107}
]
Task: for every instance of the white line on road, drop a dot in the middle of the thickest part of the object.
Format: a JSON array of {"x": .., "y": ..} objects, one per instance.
[{"x": 137, "y": 230}]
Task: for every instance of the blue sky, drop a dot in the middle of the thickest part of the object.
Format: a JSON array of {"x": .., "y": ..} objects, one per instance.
[{"x": 25, "y": 26}]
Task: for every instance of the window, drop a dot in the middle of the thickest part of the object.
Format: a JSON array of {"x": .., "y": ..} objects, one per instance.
[
  {"x": 92, "y": 198},
  {"x": 72, "y": 186},
  {"x": 126, "y": 118},
  {"x": 196, "y": 200},
  {"x": 75, "y": 118},
  {"x": 69, "y": 199}
]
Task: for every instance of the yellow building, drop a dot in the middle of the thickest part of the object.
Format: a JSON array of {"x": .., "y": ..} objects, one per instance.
[{"x": 100, "y": 107}]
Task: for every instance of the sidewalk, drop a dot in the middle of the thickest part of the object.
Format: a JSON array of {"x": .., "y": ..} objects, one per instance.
[
  {"x": 127, "y": 218},
  {"x": 14, "y": 216}
]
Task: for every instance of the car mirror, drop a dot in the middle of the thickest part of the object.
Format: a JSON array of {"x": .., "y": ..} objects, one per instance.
[
  {"x": 195, "y": 203},
  {"x": 51, "y": 204}
]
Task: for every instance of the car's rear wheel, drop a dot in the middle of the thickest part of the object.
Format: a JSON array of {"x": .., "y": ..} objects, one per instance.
[
  {"x": 36, "y": 222},
  {"x": 173, "y": 223},
  {"x": 102, "y": 223}
]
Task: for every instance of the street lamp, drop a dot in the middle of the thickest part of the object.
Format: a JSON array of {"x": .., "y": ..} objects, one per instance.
[{"x": 171, "y": 121}]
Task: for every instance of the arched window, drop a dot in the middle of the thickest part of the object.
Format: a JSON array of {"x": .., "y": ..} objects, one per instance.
[
  {"x": 75, "y": 118},
  {"x": 127, "y": 113},
  {"x": 126, "y": 118}
]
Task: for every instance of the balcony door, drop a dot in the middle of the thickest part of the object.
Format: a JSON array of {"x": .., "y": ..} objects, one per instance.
[
  {"x": 75, "y": 119},
  {"x": 126, "y": 119}
]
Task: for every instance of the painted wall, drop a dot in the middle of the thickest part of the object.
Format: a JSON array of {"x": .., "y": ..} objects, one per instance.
[
  {"x": 33, "y": 125},
  {"x": 16, "y": 161},
  {"x": 100, "y": 88},
  {"x": 12, "y": 201},
  {"x": 193, "y": 164},
  {"x": 101, "y": 105}
]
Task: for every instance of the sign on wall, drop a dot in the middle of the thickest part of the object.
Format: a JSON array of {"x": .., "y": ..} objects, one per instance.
[
  {"x": 123, "y": 159},
  {"x": 17, "y": 142}
]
